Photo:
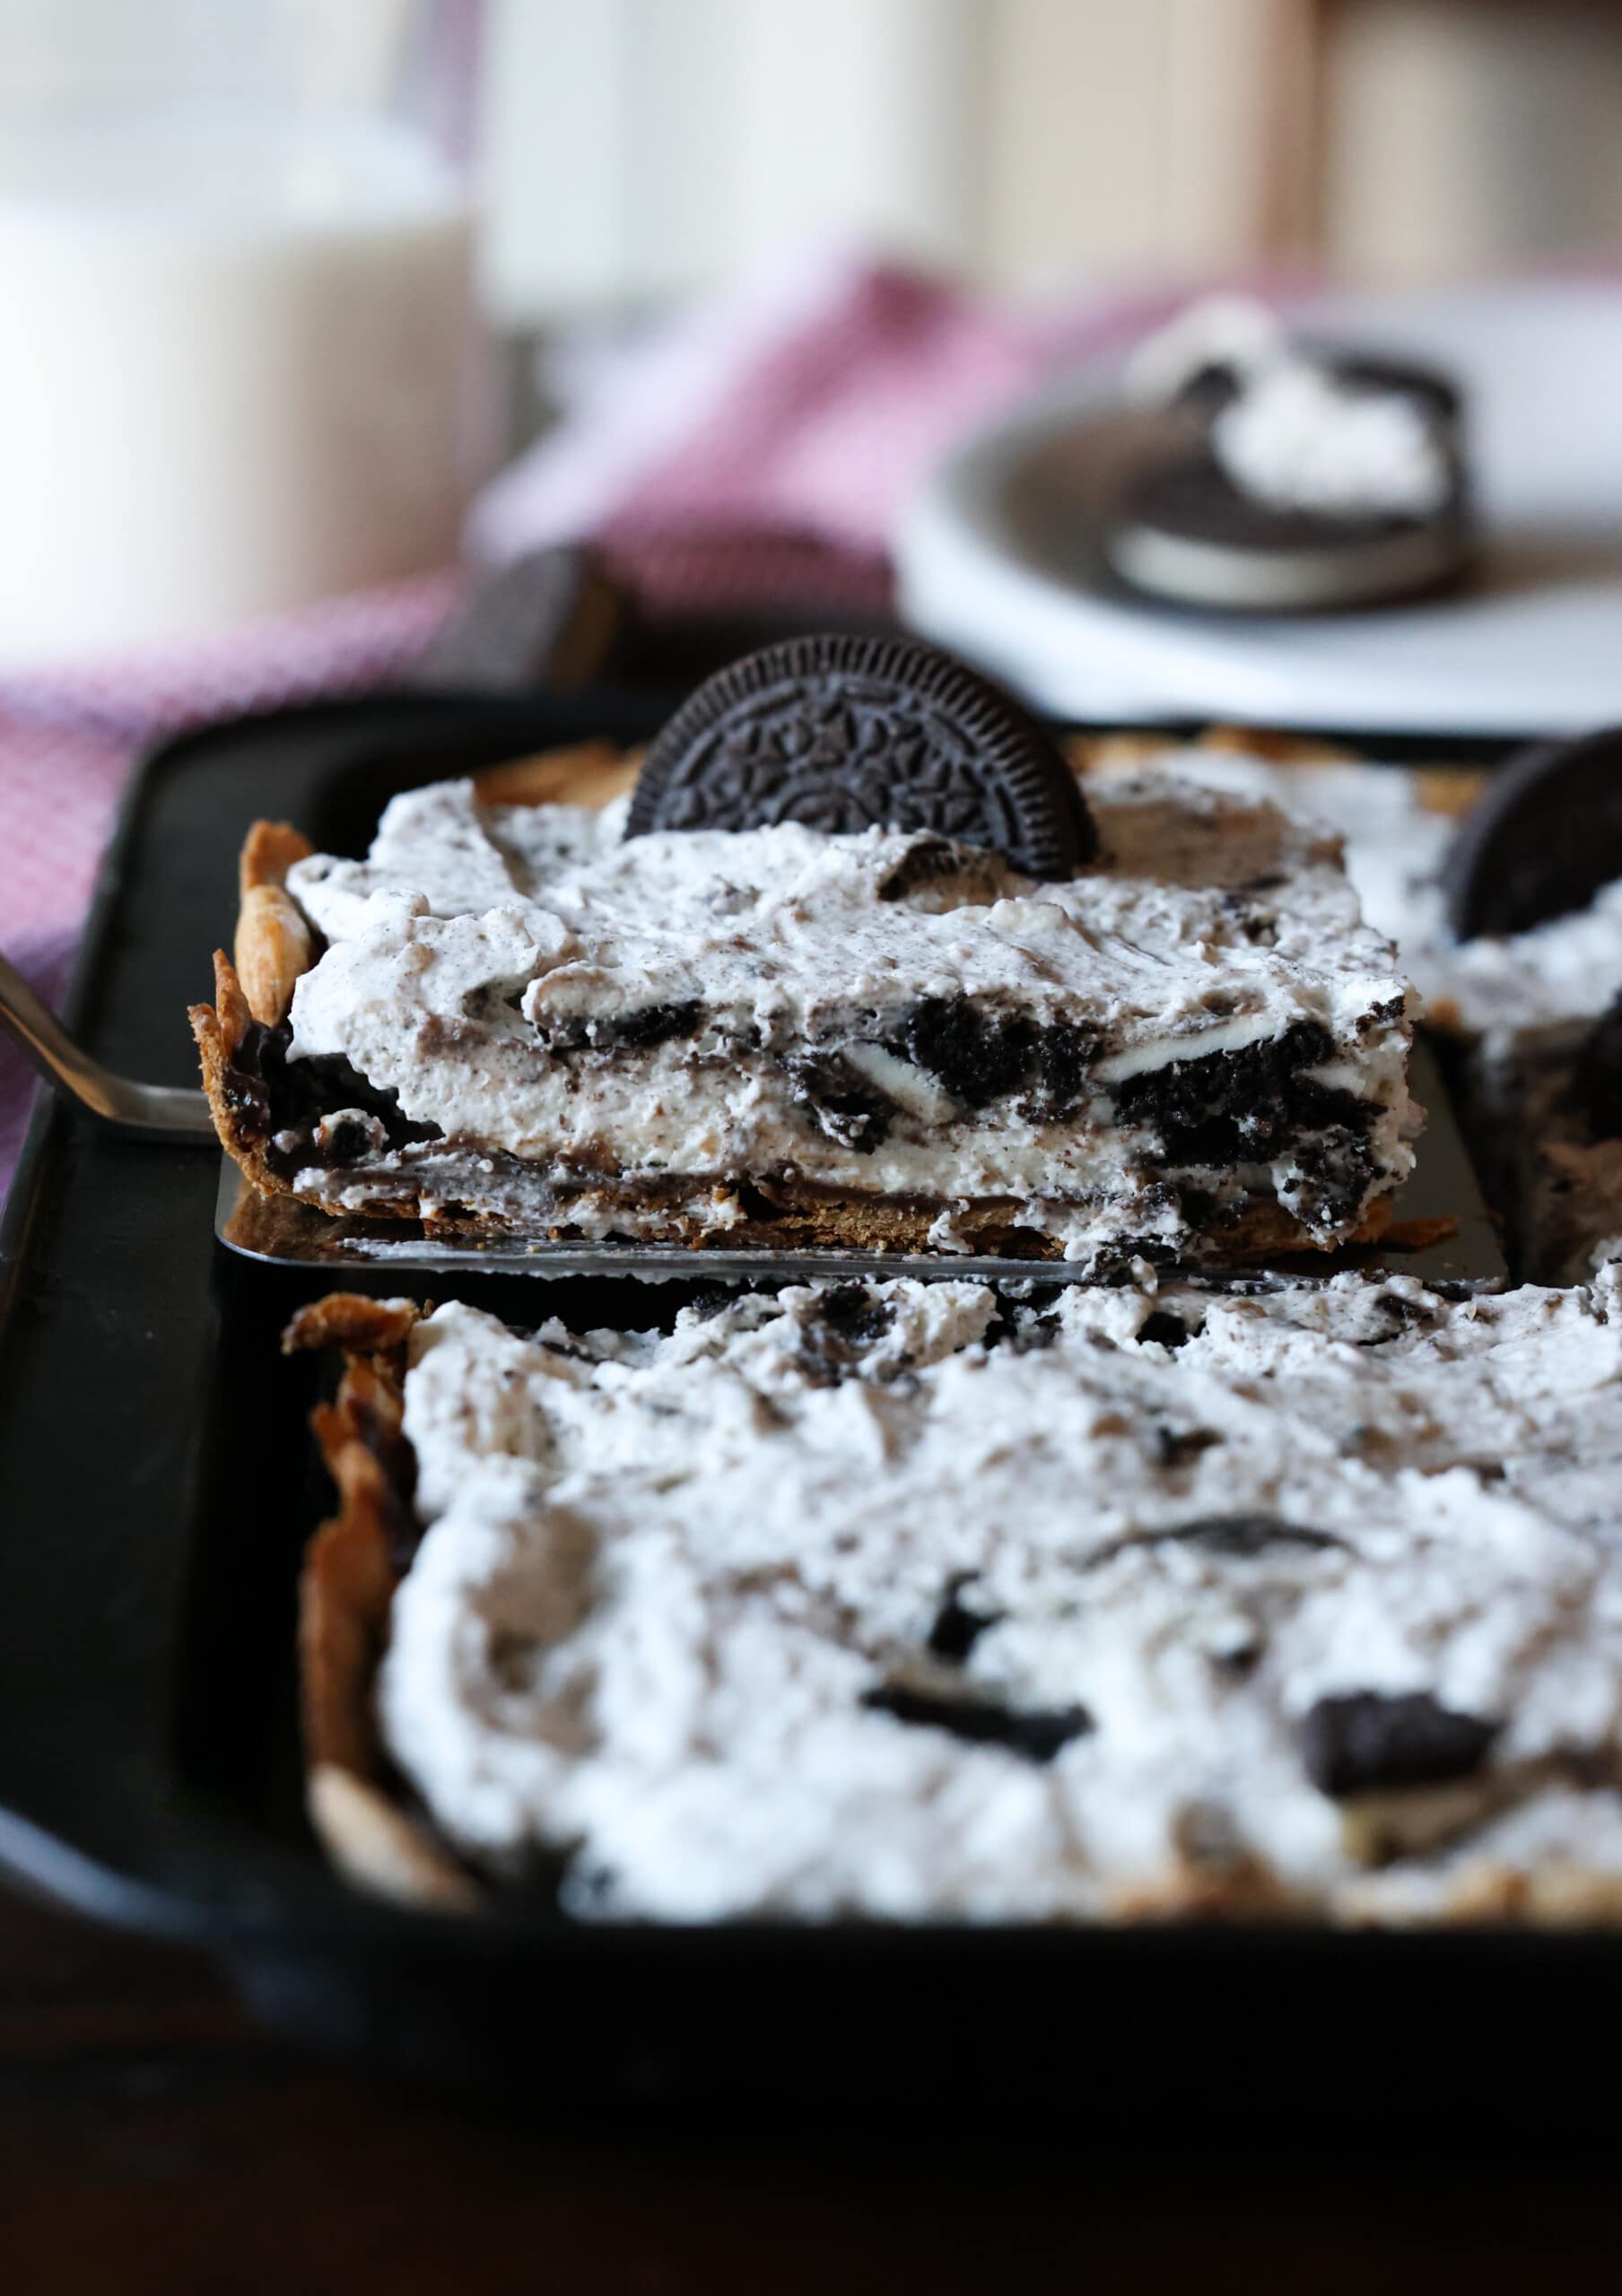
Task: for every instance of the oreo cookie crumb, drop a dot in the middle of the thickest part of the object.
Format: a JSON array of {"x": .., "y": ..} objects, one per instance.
[
  {"x": 1367, "y": 1739},
  {"x": 1021, "y": 1333},
  {"x": 845, "y": 1104},
  {"x": 1161, "y": 1328},
  {"x": 839, "y": 1331},
  {"x": 957, "y": 1629},
  {"x": 1038, "y": 1735},
  {"x": 284, "y": 1102},
  {"x": 977, "y": 1058}
]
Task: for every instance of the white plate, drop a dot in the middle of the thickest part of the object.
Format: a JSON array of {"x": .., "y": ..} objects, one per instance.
[{"x": 998, "y": 559}]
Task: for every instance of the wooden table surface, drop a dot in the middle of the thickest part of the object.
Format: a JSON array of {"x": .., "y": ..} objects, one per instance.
[{"x": 151, "y": 2139}]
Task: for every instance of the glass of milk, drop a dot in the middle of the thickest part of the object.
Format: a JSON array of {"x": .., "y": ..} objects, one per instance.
[{"x": 239, "y": 369}]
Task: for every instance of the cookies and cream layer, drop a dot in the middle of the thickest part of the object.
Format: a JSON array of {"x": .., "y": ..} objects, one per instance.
[
  {"x": 1199, "y": 1018},
  {"x": 910, "y": 1600}
]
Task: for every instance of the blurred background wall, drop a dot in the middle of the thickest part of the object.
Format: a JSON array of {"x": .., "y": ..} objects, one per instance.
[{"x": 639, "y": 148}]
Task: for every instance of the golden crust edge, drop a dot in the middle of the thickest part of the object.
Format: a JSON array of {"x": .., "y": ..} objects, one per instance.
[{"x": 345, "y": 1589}]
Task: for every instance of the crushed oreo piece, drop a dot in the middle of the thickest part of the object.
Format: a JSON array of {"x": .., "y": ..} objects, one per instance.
[
  {"x": 957, "y": 1629},
  {"x": 1245, "y": 1534},
  {"x": 1161, "y": 1327},
  {"x": 846, "y": 734},
  {"x": 846, "y": 1104},
  {"x": 645, "y": 1026},
  {"x": 1367, "y": 1739},
  {"x": 1038, "y": 1735},
  {"x": 1021, "y": 1334},
  {"x": 1542, "y": 842},
  {"x": 838, "y": 1332},
  {"x": 285, "y": 1102},
  {"x": 1222, "y": 1108},
  {"x": 977, "y": 1057}
]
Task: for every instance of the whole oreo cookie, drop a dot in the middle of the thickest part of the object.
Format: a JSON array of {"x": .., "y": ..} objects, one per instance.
[
  {"x": 1543, "y": 840},
  {"x": 844, "y": 734}
]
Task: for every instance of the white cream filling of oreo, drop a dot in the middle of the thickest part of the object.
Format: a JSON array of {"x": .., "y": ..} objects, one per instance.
[{"x": 1299, "y": 437}]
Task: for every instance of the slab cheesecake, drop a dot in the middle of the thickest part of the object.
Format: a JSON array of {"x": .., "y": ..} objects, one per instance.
[
  {"x": 518, "y": 1018},
  {"x": 922, "y": 1600}
]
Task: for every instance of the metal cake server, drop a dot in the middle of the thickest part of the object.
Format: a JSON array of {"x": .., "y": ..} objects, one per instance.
[{"x": 283, "y": 1232}]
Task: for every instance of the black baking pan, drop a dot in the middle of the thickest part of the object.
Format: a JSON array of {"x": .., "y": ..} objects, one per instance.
[{"x": 156, "y": 1487}]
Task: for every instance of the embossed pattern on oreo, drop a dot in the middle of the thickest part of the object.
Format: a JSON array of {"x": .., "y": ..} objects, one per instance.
[
  {"x": 845, "y": 734},
  {"x": 1542, "y": 842}
]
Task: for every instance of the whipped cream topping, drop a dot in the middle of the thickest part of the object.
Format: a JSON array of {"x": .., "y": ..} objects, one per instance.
[
  {"x": 902, "y": 1600},
  {"x": 523, "y": 980}
]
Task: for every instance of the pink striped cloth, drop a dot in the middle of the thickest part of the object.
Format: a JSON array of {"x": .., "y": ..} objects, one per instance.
[{"x": 752, "y": 450}]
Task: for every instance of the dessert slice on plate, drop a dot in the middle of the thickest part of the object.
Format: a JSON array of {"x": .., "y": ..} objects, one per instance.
[{"x": 854, "y": 964}]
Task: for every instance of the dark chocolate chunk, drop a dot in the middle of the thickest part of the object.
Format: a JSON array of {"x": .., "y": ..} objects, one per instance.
[
  {"x": 1542, "y": 842},
  {"x": 550, "y": 619},
  {"x": 1366, "y": 1740},
  {"x": 845, "y": 734},
  {"x": 847, "y": 1106},
  {"x": 1596, "y": 1085},
  {"x": 1037, "y": 1734},
  {"x": 957, "y": 1629}
]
